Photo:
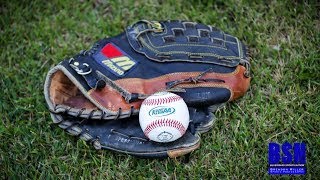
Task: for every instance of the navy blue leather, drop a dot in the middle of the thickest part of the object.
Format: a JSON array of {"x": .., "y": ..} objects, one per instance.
[
  {"x": 147, "y": 68},
  {"x": 185, "y": 41},
  {"x": 201, "y": 97},
  {"x": 126, "y": 136}
]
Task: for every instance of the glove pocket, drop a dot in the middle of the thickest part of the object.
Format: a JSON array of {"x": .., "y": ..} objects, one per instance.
[{"x": 66, "y": 92}]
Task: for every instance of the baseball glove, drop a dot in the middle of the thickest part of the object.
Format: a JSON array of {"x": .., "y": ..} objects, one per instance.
[{"x": 97, "y": 94}]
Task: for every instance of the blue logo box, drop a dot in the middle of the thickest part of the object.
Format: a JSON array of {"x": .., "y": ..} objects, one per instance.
[{"x": 287, "y": 158}]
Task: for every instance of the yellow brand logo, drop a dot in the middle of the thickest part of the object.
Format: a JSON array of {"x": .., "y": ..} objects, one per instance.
[
  {"x": 119, "y": 64},
  {"x": 124, "y": 62}
]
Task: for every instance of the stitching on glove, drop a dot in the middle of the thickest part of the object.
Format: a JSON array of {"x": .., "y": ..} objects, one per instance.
[
  {"x": 188, "y": 24},
  {"x": 177, "y": 31},
  {"x": 136, "y": 29},
  {"x": 152, "y": 46},
  {"x": 224, "y": 39},
  {"x": 168, "y": 39},
  {"x": 155, "y": 27},
  {"x": 193, "y": 38},
  {"x": 218, "y": 42},
  {"x": 203, "y": 32},
  {"x": 183, "y": 52}
]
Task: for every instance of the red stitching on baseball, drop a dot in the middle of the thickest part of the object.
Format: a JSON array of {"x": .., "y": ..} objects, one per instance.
[
  {"x": 165, "y": 100},
  {"x": 166, "y": 123}
]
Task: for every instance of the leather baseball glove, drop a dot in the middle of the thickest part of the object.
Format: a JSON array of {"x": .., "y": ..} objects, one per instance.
[{"x": 96, "y": 94}]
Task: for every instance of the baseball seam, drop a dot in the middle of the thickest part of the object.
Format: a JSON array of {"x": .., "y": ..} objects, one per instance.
[
  {"x": 165, "y": 123},
  {"x": 165, "y": 100}
]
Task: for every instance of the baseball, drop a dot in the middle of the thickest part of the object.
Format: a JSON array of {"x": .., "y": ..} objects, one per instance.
[{"x": 164, "y": 117}]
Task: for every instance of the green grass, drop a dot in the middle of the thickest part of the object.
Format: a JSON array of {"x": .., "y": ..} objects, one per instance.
[{"x": 283, "y": 103}]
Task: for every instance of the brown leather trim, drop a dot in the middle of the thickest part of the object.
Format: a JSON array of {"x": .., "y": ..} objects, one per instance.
[
  {"x": 180, "y": 152},
  {"x": 109, "y": 98},
  {"x": 112, "y": 100},
  {"x": 63, "y": 91},
  {"x": 61, "y": 88}
]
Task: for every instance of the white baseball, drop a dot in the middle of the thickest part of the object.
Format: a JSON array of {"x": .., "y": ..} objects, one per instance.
[{"x": 164, "y": 117}]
